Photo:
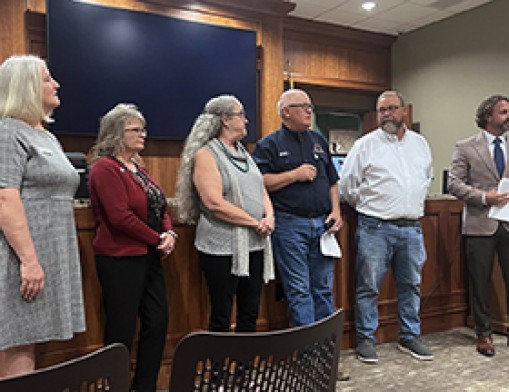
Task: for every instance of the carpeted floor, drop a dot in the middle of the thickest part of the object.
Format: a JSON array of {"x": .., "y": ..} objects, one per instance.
[{"x": 456, "y": 367}]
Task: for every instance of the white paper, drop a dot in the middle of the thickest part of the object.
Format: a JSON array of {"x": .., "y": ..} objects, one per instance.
[
  {"x": 329, "y": 245},
  {"x": 501, "y": 213}
]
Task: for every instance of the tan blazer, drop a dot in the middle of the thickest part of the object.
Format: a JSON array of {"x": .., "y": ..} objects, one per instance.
[{"x": 473, "y": 172}]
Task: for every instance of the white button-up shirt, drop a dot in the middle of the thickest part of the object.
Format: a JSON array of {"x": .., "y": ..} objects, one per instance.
[
  {"x": 388, "y": 178},
  {"x": 491, "y": 145}
]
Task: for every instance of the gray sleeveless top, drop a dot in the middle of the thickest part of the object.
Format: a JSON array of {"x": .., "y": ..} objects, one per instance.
[{"x": 215, "y": 236}]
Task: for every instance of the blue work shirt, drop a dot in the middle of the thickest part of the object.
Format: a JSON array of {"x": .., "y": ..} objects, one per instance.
[{"x": 284, "y": 150}]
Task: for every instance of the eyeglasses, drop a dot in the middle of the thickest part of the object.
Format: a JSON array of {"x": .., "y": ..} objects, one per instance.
[
  {"x": 305, "y": 106},
  {"x": 142, "y": 131},
  {"x": 240, "y": 113},
  {"x": 389, "y": 109}
]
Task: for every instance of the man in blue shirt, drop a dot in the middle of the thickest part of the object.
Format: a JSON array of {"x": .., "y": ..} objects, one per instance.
[{"x": 302, "y": 183}]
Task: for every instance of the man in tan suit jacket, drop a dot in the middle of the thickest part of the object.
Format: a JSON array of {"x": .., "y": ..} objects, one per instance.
[{"x": 478, "y": 164}]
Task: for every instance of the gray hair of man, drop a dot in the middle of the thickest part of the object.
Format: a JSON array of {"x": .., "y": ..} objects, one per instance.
[
  {"x": 207, "y": 126},
  {"x": 283, "y": 99},
  {"x": 110, "y": 141},
  {"x": 392, "y": 93},
  {"x": 21, "y": 87}
]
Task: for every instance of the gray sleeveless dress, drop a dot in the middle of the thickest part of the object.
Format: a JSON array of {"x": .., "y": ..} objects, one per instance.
[
  {"x": 215, "y": 236},
  {"x": 33, "y": 162}
]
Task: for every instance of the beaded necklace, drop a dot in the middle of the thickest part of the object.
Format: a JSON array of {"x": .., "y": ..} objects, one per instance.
[
  {"x": 156, "y": 202},
  {"x": 233, "y": 159}
]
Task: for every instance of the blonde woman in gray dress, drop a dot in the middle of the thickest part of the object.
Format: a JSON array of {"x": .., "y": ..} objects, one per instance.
[{"x": 40, "y": 278}]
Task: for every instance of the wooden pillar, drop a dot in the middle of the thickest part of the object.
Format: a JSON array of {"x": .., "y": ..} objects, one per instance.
[
  {"x": 12, "y": 28},
  {"x": 272, "y": 70}
]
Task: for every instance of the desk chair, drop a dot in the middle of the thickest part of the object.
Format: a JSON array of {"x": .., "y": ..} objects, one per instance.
[
  {"x": 106, "y": 369},
  {"x": 296, "y": 359}
]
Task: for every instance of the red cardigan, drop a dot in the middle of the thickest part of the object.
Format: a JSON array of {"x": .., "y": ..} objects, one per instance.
[{"x": 119, "y": 204}]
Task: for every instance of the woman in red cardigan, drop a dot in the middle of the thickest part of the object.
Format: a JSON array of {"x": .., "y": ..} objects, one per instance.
[{"x": 134, "y": 232}]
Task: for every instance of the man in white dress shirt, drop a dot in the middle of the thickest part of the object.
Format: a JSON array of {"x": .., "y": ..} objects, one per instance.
[{"x": 385, "y": 177}]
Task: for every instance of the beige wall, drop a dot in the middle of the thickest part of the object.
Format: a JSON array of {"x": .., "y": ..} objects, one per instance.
[{"x": 447, "y": 68}]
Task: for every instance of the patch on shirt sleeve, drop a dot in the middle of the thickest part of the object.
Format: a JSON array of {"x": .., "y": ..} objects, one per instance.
[{"x": 317, "y": 148}]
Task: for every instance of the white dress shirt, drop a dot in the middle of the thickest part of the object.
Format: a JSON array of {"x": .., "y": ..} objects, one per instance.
[
  {"x": 388, "y": 178},
  {"x": 490, "y": 139},
  {"x": 491, "y": 146}
]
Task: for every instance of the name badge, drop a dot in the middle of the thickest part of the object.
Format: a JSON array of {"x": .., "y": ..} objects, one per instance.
[{"x": 46, "y": 152}]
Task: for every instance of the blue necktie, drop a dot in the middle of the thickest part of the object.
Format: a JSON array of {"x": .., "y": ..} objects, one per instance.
[{"x": 498, "y": 156}]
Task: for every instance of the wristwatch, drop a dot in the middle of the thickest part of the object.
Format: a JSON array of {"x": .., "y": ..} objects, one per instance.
[{"x": 170, "y": 232}]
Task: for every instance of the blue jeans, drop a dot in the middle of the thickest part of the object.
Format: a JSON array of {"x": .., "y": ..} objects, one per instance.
[
  {"x": 380, "y": 245},
  {"x": 306, "y": 274}
]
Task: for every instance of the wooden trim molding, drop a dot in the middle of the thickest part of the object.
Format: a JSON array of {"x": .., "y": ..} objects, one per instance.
[
  {"x": 35, "y": 23},
  {"x": 307, "y": 29},
  {"x": 269, "y": 7},
  {"x": 336, "y": 82},
  {"x": 334, "y": 56}
]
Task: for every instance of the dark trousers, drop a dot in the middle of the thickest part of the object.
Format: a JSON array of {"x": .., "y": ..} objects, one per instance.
[
  {"x": 133, "y": 287},
  {"x": 223, "y": 286},
  {"x": 480, "y": 258}
]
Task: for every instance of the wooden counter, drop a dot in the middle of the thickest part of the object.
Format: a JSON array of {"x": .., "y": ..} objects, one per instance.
[{"x": 444, "y": 287}]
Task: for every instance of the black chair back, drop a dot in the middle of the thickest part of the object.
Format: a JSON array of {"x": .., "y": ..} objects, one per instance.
[
  {"x": 106, "y": 369},
  {"x": 296, "y": 359}
]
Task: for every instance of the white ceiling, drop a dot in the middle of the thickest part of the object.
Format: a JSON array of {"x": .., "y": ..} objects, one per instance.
[{"x": 389, "y": 16}]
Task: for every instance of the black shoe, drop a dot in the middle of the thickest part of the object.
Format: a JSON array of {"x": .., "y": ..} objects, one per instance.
[
  {"x": 366, "y": 351},
  {"x": 342, "y": 376},
  {"x": 416, "y": 348}
]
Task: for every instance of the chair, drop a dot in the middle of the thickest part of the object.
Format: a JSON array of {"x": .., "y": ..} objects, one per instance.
[
  {"x": 106, "y": 369},
  {"x": 296, "y": 359}
]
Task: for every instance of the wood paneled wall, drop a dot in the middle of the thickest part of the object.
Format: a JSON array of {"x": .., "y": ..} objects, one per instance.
[
  {"x": 12, "y": 28},
  {"x": 444, "y": 285},
  {"x": 326, "y": 55}
]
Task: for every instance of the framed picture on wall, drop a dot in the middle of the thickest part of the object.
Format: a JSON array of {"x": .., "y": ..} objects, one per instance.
[
  {"x": 337, "y": 161},
  {"x": 341, "y": 140}
]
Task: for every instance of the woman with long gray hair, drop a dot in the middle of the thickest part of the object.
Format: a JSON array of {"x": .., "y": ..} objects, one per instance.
[{"x": 220, "y": 188}]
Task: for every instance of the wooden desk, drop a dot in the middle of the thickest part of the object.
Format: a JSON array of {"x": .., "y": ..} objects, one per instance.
[{"x": 444, "y": 287}]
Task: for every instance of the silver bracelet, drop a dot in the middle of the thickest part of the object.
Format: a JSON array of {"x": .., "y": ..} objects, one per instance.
[{"x": 172, "y": 233}]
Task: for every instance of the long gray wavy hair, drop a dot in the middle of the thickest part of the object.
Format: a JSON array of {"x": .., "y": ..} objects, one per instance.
[{"x": 207, "y": 126}]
